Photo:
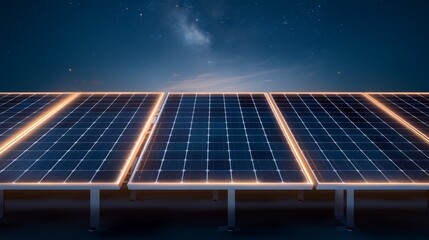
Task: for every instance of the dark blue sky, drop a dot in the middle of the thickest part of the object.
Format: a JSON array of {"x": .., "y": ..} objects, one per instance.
[{"x": 217, "y": 45}]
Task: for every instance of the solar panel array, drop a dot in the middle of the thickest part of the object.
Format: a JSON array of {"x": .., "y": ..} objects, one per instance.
[
  {"x": 347, "y": 139},
  {"x": 17, "y": 110},
  {"x": 88, "y": 141},
  {"x": 414, "y": 108},
  {"x": 217, "y": 138}
]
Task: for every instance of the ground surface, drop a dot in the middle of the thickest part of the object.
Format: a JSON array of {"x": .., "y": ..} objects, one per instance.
[{"x": 192, "y": 215}]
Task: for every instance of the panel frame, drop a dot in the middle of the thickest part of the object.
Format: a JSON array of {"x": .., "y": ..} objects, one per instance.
[
  {"x": 100, "y": 185},
  {"x": 218, "y": 186},
  {"x": 356, "y": 186}
]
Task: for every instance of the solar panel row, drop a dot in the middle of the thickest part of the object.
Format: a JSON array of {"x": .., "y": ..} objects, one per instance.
[
  {"x": 89, "y": 141},
  {"x": 217, "y": 138}
]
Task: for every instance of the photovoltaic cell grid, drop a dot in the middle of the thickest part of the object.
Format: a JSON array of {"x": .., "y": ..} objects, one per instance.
[
  {"x": 414, "y": 108},
  {"x": 347, "y": 139},
  {"x": 17, "y": 110},
  {"x": 88, "y": 141},
  {"x": 217, "y": 138}
]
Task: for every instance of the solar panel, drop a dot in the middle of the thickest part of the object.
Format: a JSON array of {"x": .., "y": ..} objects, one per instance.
[
  {"x": 347, "y": 140},
  {"x": 217, "y": 139},
  {"x": 19, "y": 109},
  {"x": 413, "y": 108},
  {"x": 92, "y": 140}
]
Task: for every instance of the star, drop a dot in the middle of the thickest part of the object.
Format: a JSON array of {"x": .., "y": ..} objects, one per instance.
[{"x": 70, "y": 69}]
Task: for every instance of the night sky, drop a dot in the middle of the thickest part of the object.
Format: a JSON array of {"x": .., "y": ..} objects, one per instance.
[{"x": 106, "y": 45}]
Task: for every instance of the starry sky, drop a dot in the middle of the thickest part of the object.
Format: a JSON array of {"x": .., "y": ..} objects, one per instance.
[{"x": 217, "y": 45}]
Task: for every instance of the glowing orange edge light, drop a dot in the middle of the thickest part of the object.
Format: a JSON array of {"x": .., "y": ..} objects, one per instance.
[
  {"x": 88, "y": 185},
  {"x": 291, "y": 139},
  {"x": 28, "y": 128},
  {"x": 139, "y": 142},
  {"x": 236, "y": 185},
  {"x": 397, "y": 117}
]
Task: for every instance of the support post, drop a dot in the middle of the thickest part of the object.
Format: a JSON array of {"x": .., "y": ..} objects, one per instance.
[
  {"x": 300, "y": 195},
  {"x": 94, "y": 210},
  {"x": 1, "y": 204},
  {"x": 133, "y": 195},
  {"x": 350, "y": 206},
  {"x": 215, "y": 197},
  {"x": 339, "y": 205},
  {"x": 231, "y": 209}
]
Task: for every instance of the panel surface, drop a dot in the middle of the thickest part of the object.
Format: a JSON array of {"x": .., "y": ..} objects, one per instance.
[
  {"x": 347, "y": 139},
  {"x": 217, "y": 138},
  {"x": 88, "y": 141},
  {"x": 17, "y": 110},
  {"x": 413, "y": 108}
]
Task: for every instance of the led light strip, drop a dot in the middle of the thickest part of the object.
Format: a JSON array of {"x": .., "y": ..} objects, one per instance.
[
  {"x": 291, "y": 140},
  {"x": 139, "y": 142},
  {"x": 397, "y": 117},
  {"x": 37, "y": 122}
]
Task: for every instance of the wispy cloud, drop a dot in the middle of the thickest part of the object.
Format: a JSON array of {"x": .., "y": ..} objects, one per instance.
[
  {"x": 219, "y": 82},
  {"x": 190, "y": 32},
  {"x": 258, "y": 77}
]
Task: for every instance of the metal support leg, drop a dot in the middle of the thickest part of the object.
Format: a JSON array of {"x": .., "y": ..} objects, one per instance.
[
  {"x": 300, "y": 195},
  {"x": 339, "y": 205},
  {"x": 215, "y": 196},
  {"x": 94, "y": 210},
  {"x": 350, "y": 206},
  {"x": 133, "y": 195},
  {"x": 231, "y": 210},
  {"x": 1, "y": 204}
]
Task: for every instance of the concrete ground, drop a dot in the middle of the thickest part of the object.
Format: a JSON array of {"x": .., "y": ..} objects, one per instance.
[{"x": 192, "y": 215}]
